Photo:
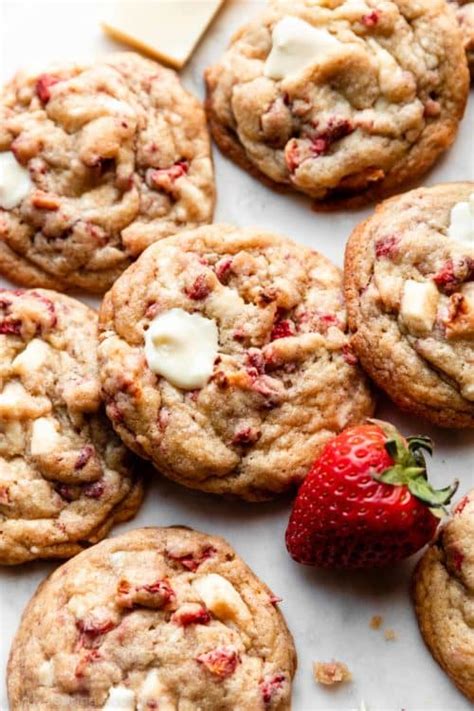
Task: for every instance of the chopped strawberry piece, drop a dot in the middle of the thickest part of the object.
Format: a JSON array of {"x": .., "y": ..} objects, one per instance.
[
  {"x": 371, "y": 19},
  {"x": 43, "y": 85},
  {"x": 255, "y": 362},
  {"x": 453, "y": 274},
  {"x": 191, "y": 614},
  {"x": 163, "y": 178},
  {"x": 220, "y": 662},
  {"x": 223, "y": 269},
  {"x": 192, "y": 561},
  {"x": 349, "y": 355},
  {"x": 10, "y": 327},
  {"x": 94, "y": 490},
  {"x": 246, "y": 435},
  {"x": 154, "y": 595},
  {"x": 386, "y": 246},
  {"x": 84, "y": 455},
  {"x": 336, "y": 129},
  {"x": 282, "y": 329},
  {"x": 199, "y": 289},
  {"x": 292, "y": 155},
  {"x": 65, "y": 492},
  {"x": 271, "y": 687},
  {"x": 275, "y": 599},
  {"x": 91, "y": 630},
  {"x": 4, "y": 495}
]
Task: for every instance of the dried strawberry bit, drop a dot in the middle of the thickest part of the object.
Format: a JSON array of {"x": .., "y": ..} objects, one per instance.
[
  {"x": 239, "y": 335},
  {"x": 164, "y": 178},
  {"x": 50, "y": 307},
  {"x": 191, "y": 614},
  {"x": 223, "y": 269},
  {"x": 10, "y": 327},
  {"x": 84, "y": 455},
  {"x": 86, "y": 659},
  {"x": 221, "y": 662},
  {"x": 371, "y": 19},
  {"x": 43, "y": 85},
  {"x": 292, "y": 155},
  {"x": 199, "y": 289},
  {"x": 5, "y": 495},
  {"x": 94, "y": 490},
  {"x": 387, "y": 247},
  {"x": 255, "y": 361},
  {"x": 154, "y": 595},
  {"x": 66, "y": 492},
  {"x": 271, "y": 688},
  {"x": 349, "y": 355},
  {"x": 275, "y": 599},
  {"x": 461, "y": 505},
  {"x": 453, "y": 274},
  {"x": 92, "y": 630},
  {"x": 336, "y": 129},
  {"x": 282, "y": 329},
  {"x": 246, "y": 435},
  {"x": 192, "y": 561}
]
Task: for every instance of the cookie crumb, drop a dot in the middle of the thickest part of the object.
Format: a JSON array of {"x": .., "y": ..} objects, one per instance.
[
  {"x": 329, "y": 673},
  {"x": 376, "y": 622},
  {"x": 390, "y": 635}
]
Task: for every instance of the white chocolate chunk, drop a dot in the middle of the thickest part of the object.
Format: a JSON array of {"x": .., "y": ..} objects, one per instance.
[
  {"x": 154, "y": 691},
  {"x": 461, "y": 225},
  {"x": 296, "y": 45},
  {"x": 32, "y": 358},
  {"x": 44, "y": 436},
  {"x": 46, "y": 673},
  {"x": 120, "y": 698},
  {"x": 168, "y": 30},
  {"x": 419, "y": 306},
  {"x": 467, "y": 391},
  {"x": 17, "y": 403},
  {"x": 221, "y": 598},
  {"x": 15, "y": 181},
  {"x": 182, "y": 348}
]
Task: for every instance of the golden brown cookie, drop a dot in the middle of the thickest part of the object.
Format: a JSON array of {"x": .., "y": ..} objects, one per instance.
[
  {"x": 97, "y": 162},
  {"x": 158, "y": 618},
  {"x": 225, "y": 360},
  {"x": 65, "y": 478},
  {"x": 443, "y": 588},
  {"x": 345, "y": 101},
  {"x": 409, "y": 283}
]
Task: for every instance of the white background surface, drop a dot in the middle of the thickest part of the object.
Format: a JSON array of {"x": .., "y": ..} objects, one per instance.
[{"x": 328, "y": 614}]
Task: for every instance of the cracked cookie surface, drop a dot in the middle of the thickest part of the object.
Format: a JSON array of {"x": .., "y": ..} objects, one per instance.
[
  {"x": 118, "y": 156},
  {"x": 284, "y": 379},
  {"x": 158, "y": 618},
  {"x": 65, "y": 478},
  {"x": 373, "y": 111},
  {"x": 443, "y": 588},
  {"x": 409, "y": 285}
]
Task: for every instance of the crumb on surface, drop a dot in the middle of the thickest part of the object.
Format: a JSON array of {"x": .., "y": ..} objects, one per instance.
[
  {"x": 390, "y": 635},
  {"x": 329, "y": 673},
  {"x": 376, "y": 622}
]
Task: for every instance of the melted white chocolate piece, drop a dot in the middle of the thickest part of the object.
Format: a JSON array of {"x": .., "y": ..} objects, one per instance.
[
  {"x": 120, "y": 698},
  {"x": 15, "y": 181},
  {"x": 221, "y": 598},
  {"x": 461, "y": 225},
  {"x": 44, "y": 437},
  {"x": 419, "y": 306},
  {"x": 296, "y": 45},
  {"x": 182, "y": 348}
]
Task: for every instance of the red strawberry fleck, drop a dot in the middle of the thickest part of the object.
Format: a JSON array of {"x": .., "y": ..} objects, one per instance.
[
  {"x": 271, "y": 686},
  {"x": 192, "y": 561},
  {"x": 91, "y": 630},
  {"x": 223, "y": 269},
  {"x": 371, "y": 19},
  {"x": 282, "y": 329},
  {"x": 43, "y": 85},
  {"x": 292, "y": 155},
  {"x": 154, "y": 595},
  {"x": 85, "y": 660},
  {"x": 220, "y": 662},
  {"x": 457, "y": 558},
  {"x": 255, "y": 362},
  {"x": 94, "y": 490},
  {"x": 461, "y": 505},
  {"x": 386, "y": 247},
  {"x": 84, "y": 455},
  {"x": 10, "y": 327},
  {"x": 65, "y": 492},
  {"x": 246, "y": 435},
  {"x": 164, "y": 178},
  {"x": 336, "y": 129},
  {"x": 349, "y": 355},
  {"x": 191, "y": 614},
  {"x": 453, "y": 274},
  {"x": 275, "y": 599},
  {"x": 366, "y": 501},
  {"x": 199, "y": 289},
  {"x": 4, "y": 495}
]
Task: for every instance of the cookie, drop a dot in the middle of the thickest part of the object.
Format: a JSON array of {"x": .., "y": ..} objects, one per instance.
[
  {"x": 65, "y": 478},
  {"x": 345, "y": 101},
  {"x": 158, "y": 618},
  {"x": 97, "y": 162},
  {"x": 409, "y": 283},
  {"x": 442, "y": 591},
  {"x": 225, "y": 360},
  {"x": 465, "y": 14}
]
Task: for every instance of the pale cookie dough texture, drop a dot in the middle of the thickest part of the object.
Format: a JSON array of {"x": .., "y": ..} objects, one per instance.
[
  {"x": 65, "y": 478},
  {"x": 465, "y": 15},
  {"x": 158, "y": 618},
  {"x": 119, "y": 156},
  {"x": 409, "y": 282},
  {"x": 284, "y": 378},
  {"x": 443, "y": 589},
  {"x": 373, "y": 109}
]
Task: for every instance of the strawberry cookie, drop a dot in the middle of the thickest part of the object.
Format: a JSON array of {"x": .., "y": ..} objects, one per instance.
[
  {"x": 158, "y": 618},
  {"x": 340, "y": 98},
  {"x": 225, "y": 360},
  {"x": 409, "y": 283},
  {"x": 64, "y": 477},
  {"x": 443, "y": 589},
  {"x": 465, "y": 14},
  {"x": 97, "y": 162}
]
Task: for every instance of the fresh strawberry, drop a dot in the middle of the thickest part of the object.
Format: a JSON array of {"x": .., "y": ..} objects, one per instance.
[{"x": 366, "y": 501}]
